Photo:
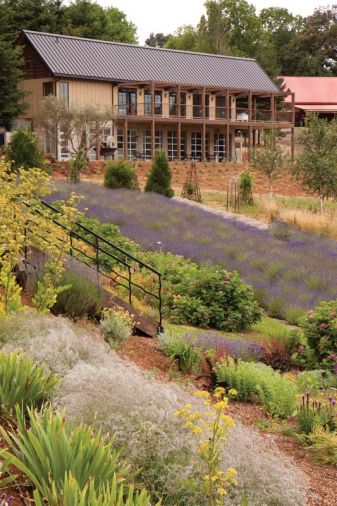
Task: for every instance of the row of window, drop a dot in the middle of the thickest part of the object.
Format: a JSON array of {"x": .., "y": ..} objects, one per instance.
[
  {"x": 172, "y": 145},
  {"x": 127, "y": 104}
]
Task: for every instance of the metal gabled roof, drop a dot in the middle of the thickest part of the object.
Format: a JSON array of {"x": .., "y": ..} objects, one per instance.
[{"x": 111, "y": 61}]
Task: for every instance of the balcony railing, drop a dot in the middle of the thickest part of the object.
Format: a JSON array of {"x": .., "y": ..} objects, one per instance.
[{"x": 188, "y": 111}]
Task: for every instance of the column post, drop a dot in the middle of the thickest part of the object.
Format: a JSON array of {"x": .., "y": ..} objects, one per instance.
[
  {"x": 228, "y": 117},
  {"x": 153, "y": 123},
  {"x": 179, "y": 121},
  {"x": 293, "y": 118},
  {"x": 126, "y": 138},
  {"x": 203, "y": 146},
  {"x": 249, "y": 124}
]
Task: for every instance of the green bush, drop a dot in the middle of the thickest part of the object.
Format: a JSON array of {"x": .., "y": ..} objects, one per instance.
[
  {"x": 116, "y": 325},
  {"x": 22, "y": 383},
  {"x": 323, "y": 445},
  {"x": 246, "y": 186},
  {"x": 320, "y": 331},
  {"x": 114, "y": 494},
  {"x": 45, "y": 450},
  {"x": 80, "y": 298},
  {"x": 312, "y": 381},
  {"x": 176, "y": 348},
  {"x": 256, "y": 381},
  {"x": 205, "y": 296},
  {"x": 120, "y": 174},
  {"x": 159, "y": 179},
  {"x": 23, "y": 151}
]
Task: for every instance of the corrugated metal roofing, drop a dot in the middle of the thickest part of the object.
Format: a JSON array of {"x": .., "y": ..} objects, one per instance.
[
  {"x": 111, "y": 61},
  {"x": 312, "y": 90}
]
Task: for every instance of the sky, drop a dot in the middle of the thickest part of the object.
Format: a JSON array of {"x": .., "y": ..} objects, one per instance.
[{"x": 167, "y": 15}]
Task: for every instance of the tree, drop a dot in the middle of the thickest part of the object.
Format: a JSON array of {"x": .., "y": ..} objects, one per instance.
[
  {"x": 11, "y": 97},
  {"x": 185, "y": 39},
  {"x": 316, "y": 164},
  {"x": 269, "y": 159},
  {"x": 121, "y": 174},
  {"x": 313, "y": 49},
  {"x": 159, "y": 180},
  {"x": 23, "y": 151},
  {"x": 40, "y": 15},
  {"x": 82, "y": 128},
  {"x": 157, "y": 40},
  {"x": 84, "y": 18}
]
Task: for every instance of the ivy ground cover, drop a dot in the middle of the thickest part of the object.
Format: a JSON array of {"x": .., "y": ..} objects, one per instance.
[{"x": 288, "y": 276}]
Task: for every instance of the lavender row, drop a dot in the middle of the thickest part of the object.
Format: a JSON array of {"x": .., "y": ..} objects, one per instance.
[{"x": 286, "y": 275}]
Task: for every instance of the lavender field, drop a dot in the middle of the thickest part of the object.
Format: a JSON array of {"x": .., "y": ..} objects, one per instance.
[{"x": 287, "y": 276}]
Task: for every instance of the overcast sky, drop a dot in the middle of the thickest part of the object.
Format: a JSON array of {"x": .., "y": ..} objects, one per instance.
[{"x": 166, "y": 15}]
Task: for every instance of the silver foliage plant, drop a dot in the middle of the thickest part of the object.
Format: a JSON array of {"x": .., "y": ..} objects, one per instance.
[{"x": 99, "y": 387}]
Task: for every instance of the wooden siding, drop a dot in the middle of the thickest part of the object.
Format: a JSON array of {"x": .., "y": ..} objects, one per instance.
[
  {"x": 33, "y": 66},
  {"x": 89, "y": 93},
  {"x": 34, "y": 89}
]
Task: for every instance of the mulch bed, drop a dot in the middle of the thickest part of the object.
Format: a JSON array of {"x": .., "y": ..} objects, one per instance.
[{"x": 322, "y": 478}]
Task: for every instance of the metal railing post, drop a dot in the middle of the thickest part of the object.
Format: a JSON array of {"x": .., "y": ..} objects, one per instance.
[
  {"x": 160, "y": 328},
  {"x": 130, "y": 286}
]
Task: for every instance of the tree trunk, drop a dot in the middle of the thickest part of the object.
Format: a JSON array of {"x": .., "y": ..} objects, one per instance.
[{"x": 321, "y": 198}]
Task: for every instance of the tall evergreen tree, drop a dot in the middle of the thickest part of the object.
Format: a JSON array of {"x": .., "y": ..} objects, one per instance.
[
  {"x": 11, "y": 97},
  {"x": 159, "y": 180}
]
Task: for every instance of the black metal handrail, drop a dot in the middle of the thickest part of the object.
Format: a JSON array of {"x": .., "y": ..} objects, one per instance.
[{"x": 100, "y": 246}]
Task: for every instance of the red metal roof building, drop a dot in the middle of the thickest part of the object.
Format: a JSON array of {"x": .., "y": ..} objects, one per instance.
[{"x": 313, "y": 94}]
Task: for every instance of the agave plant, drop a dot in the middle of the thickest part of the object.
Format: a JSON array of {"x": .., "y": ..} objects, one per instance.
[
  {"x": 44, "y": 449},
  {"x": 22, "y": 383}
]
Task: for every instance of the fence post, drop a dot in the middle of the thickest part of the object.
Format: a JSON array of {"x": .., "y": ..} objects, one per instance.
[
  {"x": 71, "y": 243},
  {"x": 130, "y": 286},
  {"x": 160, "y": 328}
]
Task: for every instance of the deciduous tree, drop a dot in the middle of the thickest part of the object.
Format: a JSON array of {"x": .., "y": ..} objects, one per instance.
[{"x": 316, "y": 164}]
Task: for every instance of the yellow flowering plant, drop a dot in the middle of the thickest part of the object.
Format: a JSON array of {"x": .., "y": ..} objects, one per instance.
[
  {"x": 25, "y": 226},
  {"x": 210, "y": 428}
]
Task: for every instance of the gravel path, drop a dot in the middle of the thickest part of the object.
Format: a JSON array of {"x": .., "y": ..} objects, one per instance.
[{"x": 225, "y": 214}]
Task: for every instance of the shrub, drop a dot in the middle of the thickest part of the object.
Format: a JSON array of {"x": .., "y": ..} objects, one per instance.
[
  {"x": 116, "y": 325},
  {"x": 205, "y": 296},
  {"x": 279, "y": 350},
  {"x": 120, "y": 174},
  {"x": 111, "y": 494},
  {"x": 246, "y": 186},
  {"x": 22, "y": 383},
  {"x": 323, "y": 445},
  {"x": 220, "y": 345},
  {"x": 258, "y": 381},
  {"x": 80, "y": 297},
  {"x": 176, "y": 348},
  {"x": 312, "y": 381},
  {"x": 46, "y": 450},
  {"x": 76, "y": 166},
  {"x": 23, "y": 151},
  {"x": 281, "y": 230},
  {"x": 315, "y": 415},
  {"x": 159, "y": 179},
  {"x": 320, "y": 330}
]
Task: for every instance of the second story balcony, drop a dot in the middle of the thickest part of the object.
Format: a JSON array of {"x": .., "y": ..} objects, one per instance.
[{"x": 198, "y": 113}]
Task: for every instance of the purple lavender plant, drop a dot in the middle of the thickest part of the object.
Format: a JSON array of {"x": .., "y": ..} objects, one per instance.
[{"x": 286, "y": 275}]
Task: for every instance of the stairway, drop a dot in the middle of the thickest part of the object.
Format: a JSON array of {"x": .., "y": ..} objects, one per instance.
[{"x": 105, "y": 263}]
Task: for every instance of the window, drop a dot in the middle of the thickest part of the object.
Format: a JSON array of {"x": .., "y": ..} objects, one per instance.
[
  {"x": 158, "y": 103},
  {"x": 183, "y": 105},
  {"x": 64, "y": 147},
  {"x": 147, "y": 103},
  {"x": 127, "y": 102},
  {"x": 64, "y": 92},
  {"x": 183, "y": 146},
  {"x": 196, "y": 145},
  {"x": 220, "y": 107},
  {"x": 47, "y": 89},
  {"x": 132, "y": 143},
  {"x": 219, "y": 147},
  {"x": 173, "y": 104},
  {"x": 197, "y": 109},
  {"x": 147, "y": 144},
  {"x": 172, "y": 146}
]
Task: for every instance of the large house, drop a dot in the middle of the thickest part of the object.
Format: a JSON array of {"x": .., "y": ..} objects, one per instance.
[{"x": 191, "y": 105}]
